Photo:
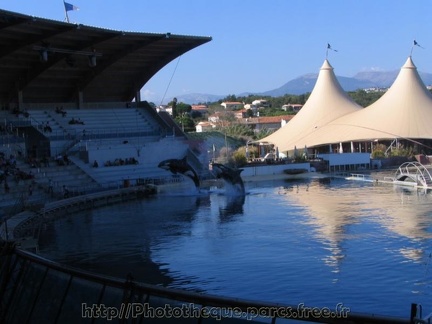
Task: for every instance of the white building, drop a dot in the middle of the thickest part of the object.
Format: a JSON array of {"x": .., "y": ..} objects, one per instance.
[
  {"x": 204, "y": 127},
  {"x": 232, "y": 105}
]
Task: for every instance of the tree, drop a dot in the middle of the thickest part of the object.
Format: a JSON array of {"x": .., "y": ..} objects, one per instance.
[
  {"x": 236, "y": 130},
  {"x": 174, "y": 108},
  {"x": 364, "y": 98},
  {"x": 183, "y": 108},
  {"x": 239, "y": 157},
  {"x": 179, "y": 108},
  {"x": 195, "y": 114},
  {"x": 230, "y": 98},
  {"x": 379, "y": 151},
  {"x": 264, "y": 132},
  {"x": 185, "y": 122}
]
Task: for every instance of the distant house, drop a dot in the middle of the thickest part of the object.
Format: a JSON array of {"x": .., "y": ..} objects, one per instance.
[
  {"x": 201, "y": 108},
  {"x": 204, "y": 127},
  {"x": 292, "y": 107},
  {"x": 214, "y": 118},
  {"x": 261, "y": 103},
  {"x": 241, "y": 114},
  {"x": 251, "y": 107},
  {"x": 221, "y": 117},
  {"x": 232, "y": 105}
]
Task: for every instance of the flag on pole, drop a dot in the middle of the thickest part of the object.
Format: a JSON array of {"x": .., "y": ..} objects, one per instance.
[
  {"x": 329, "y": 48},
  {"x": 417, "y": 44},
  {"x": 70, "y": 7}
]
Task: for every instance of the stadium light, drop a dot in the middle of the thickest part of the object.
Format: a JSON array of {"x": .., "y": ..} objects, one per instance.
[{"x": 44, "y": 50}]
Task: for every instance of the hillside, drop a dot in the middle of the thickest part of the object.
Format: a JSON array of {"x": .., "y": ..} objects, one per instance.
[{"x": 305, "y": 83}]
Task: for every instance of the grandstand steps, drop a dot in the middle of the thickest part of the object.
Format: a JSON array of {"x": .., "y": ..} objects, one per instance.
[
  {"x": 40, "y": 118},
  {"x": 20, "y": 196},
  {"x": 70, "y": 176},
  {"x": 108, "y": 121},
  {"x": 131, "y": 132},
  {"x": 147, "y": 114},
  {"x": 115, "y": 176}
]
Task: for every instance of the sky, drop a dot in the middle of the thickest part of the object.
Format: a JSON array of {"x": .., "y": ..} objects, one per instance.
[{"x": 259, "y": 45}]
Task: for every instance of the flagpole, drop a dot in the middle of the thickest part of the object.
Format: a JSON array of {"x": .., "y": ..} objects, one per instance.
[{"x": 67, "y": 16}]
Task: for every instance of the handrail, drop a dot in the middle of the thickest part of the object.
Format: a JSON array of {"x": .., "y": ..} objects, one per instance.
[
  {"x": 220, "y": 308},
  {"x": 422, "y": 174},
  {"x": 18, "y": 205}
]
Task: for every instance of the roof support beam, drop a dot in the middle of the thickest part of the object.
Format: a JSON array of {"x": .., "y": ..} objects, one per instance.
[
  {"x": 31, "y": 40},
  {"x": 7, "y": 20},
  {"x": 39, "y": 68},
  {"x": 87, "y": 79}
]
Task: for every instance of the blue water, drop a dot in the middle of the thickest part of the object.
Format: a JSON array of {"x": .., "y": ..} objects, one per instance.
[{"x": 317, "y": 242}]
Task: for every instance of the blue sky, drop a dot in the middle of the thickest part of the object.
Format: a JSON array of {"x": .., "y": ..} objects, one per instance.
[{"x": 259, "y": 45}]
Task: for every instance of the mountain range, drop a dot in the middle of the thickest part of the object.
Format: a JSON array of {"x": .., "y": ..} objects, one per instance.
[{"x": 306, "y": 82}]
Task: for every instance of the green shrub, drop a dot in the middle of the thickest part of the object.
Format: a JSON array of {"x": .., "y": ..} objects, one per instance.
[
  {"x": 239, "y": 157},
  {"x": 377, "y": 154}
]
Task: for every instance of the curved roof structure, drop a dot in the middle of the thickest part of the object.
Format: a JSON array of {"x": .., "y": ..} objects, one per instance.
[
  {"x": 404, "y": 112},
  {"x": 327, "y": 102},
  {"x": 45, "y": 61}
]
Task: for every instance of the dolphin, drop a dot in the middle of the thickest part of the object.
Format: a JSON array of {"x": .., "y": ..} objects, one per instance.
[
  {"x": 181, "y": 166},
  {"x": 230, "y": 175}
]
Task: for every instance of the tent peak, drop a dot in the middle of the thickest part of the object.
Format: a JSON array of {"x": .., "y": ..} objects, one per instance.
[
  {"x": 326, "y": 65},
  {"x": 409, "y": 64}
]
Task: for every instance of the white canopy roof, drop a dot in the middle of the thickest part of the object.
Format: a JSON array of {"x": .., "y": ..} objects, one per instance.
[
  {"x": 327, "y": 102},
  {"x": 404, "y": 111}
]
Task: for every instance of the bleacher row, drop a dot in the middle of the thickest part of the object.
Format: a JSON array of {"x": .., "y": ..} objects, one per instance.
[
  {"x": 104, "y": 134},
  {"x": 115, "y": 175},
  {"x": 96, "y": 123}
]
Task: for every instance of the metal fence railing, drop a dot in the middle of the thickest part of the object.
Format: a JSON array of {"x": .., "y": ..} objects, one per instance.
[{"x": 37, "y": 290}]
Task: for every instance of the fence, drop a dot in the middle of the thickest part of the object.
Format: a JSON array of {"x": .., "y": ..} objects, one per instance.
[{"x": 36, "y": 290}]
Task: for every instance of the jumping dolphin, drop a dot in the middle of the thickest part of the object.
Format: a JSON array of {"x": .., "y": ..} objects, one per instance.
[
  {"x": 180, "y": 166},
  {"x": 230, "y": 175}
]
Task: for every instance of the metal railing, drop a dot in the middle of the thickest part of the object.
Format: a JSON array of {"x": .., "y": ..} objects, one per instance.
[
  {"x": 37, "y": 290},
  {"x": 416, "y": 171}
]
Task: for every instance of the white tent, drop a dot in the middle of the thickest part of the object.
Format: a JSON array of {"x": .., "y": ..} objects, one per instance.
[
  {"x": 404, "y": 111},
  {"x": 327, "y": 102},
  {"x": 330, "y": 117}
]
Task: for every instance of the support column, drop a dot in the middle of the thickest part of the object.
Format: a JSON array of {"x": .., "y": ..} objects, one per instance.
[
  {"x": 80, "y": 99},
  {"x": 138, "y": 96},
  {"x": 20, "y": 99}
]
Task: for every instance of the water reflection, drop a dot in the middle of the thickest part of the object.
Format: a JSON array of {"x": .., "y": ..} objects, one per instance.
[
  {"x": 410, "y": 216},
  {"x": 118, "y": 239},
  {"x": 333, "y": 214},
  {"x": 233, "y": 207},
  {"x": 327, "y": 213}
]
